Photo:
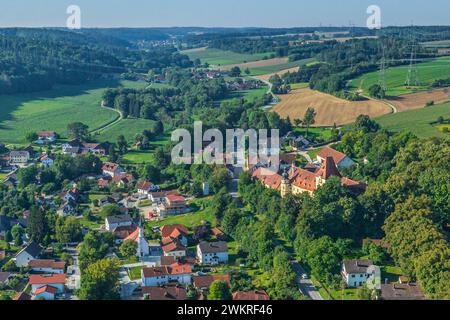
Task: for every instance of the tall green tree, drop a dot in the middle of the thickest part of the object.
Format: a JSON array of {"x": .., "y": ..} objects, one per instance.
[{"x": 100, "y": 281}]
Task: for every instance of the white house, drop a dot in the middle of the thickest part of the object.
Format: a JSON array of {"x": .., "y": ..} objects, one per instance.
[
  {"x": 173, "y": 248},
  {"x": 45, "y": 293},
  {"x": 152, "y": 277},
  {"x": 19, "y": 157},
  {"x": 56, "y": 281},
  {"x": 212, "y": 253},
  {"x": 144, "y": 188},
  {"x": 340, "y": 159},
  {"x": 114, "y": 222},
  {"x": 46, "y": 137},
  {"x": 112, "y": 169},
  {"x": 47, "y": 160},
  {"x": 356, "y": 272},
  {"x": 47, "y": 266},
  {"x": 27, "y": 254}
]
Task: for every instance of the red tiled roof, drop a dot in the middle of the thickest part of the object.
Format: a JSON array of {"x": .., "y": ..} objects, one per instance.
[
  {"x": 46, "y": 134},
  {"x": 46, "y": 264},
  {"x": 167, "y": 270},
  {"x": 302, "y": 178},
  {"x": 268, "y": 178},
  {"x": 168, "y": 230},
  {"x": 47, "y": 279},
  {"x": 174, "y": 245},
  {"x": 173, "y": 198},
  {"x": 109, "y": 166},
  {"x": 144, "y": 185},
  {"x": 206, "y": 281},
  {"x": 328, "y": 169},
  {"x": 134, "y": 236},
  {"x": 48, "y": 289},
  {"x": 251, "y": 295},
  {"x": 329, "y": 152}
]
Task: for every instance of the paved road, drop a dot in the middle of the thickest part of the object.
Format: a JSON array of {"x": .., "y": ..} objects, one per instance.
[
  {"x": 306, "y": 286},
  {"x": 73, "y": 274}
]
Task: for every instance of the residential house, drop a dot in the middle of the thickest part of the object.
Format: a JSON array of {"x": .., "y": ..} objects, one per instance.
[
  {"x": 299, "y": 143},
  {"x": 251, "y": 295},
  {"x": 26, "y": 255},
  {"x": 19, "y": 157},
  {"x": 212, "y": 253},
  {"x": 47, "y": 266},
  {"x": 106, "y": 200},
  {"x": 356, "y": 272},
  {"x": 175, "y": 231},
  {"x": 46, "y": 137},
  {"x": 173, "y": 247},
  {"x": 340, "y": 159},
  {"x": 177, "y": 272},
  {"x": 45, "y": 293},
  {"x": 159, "y": 197},
  {"x": 67, "y": 208},
  {"x": 72, "y": 147},
  {"x": 202, "y": 283},
  {"x": 144, "y": 188},
  {"x": 401, "y": 291},
  {"x": 113, "y": 222},
  {"x": 168, "y": 292},
  {"x": 11, "y": 181},
  {"x": 218, "y": 234},
  {"x": 122, "y": 180},
  {"x": 172, "y": 205},
  {"x": 112, "y": 169},
  {"x": 47, "y": 160},
  {"x": 41, "y": 283}
]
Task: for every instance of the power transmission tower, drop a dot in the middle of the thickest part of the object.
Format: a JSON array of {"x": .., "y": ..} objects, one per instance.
[
  {"x": 382, "y": 74},
  {"x": 412, "y": 79}
]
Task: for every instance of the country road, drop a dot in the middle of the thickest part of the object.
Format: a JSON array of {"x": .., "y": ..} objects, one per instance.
[
  {"x": 306, "y": 286},
  {"x": 112, "y": 123}
]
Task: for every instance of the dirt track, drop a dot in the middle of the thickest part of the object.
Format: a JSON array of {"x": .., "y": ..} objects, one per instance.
[{"x": 329, "y": 109}]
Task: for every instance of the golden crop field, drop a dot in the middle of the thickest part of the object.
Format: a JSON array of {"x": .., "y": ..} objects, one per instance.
[
  {"x": 329, "y": 109},
  {"x": 419, "y": 100}
]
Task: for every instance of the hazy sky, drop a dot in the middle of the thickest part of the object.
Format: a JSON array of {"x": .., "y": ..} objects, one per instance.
[{"x": 226, "y": 13}]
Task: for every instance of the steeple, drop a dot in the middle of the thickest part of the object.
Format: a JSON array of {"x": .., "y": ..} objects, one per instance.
[{"x": 285, "y": 185}]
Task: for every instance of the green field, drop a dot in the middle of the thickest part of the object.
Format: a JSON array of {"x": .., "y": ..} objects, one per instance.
[
  {"x": 249, "y": 95},
  {"x": 279, "y": 67},
  {"x": 396, "y": 77},
  {"x": 126, "y": 127},
  {"x": 417, "y": 121},
  {"x": 437, "y": 44},
  {"x": 220, "y": 57},
  {"x": 201, "y": 212},
  {"x": 55, "y": 109}
]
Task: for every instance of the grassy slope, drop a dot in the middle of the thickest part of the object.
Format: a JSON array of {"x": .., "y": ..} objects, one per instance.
[
  {"x": 279, "y": 67},
  {"x": 221, "y": 57},
  {"x": 54, "y": 109},
  {"x": 396, "y": 76},
  {"x": 417, "y": 121}
]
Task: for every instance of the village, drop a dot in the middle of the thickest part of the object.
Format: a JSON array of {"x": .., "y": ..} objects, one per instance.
[{"x": 159, "y": 260}]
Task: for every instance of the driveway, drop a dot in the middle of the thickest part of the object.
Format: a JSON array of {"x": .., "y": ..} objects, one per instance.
[{"x": 306, "y": 286}]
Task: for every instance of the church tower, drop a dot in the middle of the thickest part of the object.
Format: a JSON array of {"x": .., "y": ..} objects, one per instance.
[{"x": 285, "y": 186}]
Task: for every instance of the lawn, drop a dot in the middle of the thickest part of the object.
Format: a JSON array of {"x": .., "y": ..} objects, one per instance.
[
  {"x": 135, "y": 273},
  {"x": 55, "y": 109},
  {"x": 396, "y": 77},
  {"x": 201, "y": 212},
  {"x": 221, "y": 57},
  {"x": 249, "y": 95},
  {"x": 126, "y": 127},
  {"x": 417, "y": 121},
  {"x": 391, "y": 273},
  {"x": 323, "y": 133},
  {"x": 134, "y": 157}
]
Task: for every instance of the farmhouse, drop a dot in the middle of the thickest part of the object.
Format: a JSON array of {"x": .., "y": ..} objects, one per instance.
[
  {"x": 173, "y": 247},
  {"x": 340, "y": 159},
  {"x": 27, "y": 254},
  {"x": 175, "y": 231},
  {"x": 355, "y": 273},
  {"x": 46, "y": 137},
  {"x": 212, "y": 253},
  {"x": 156, "y": 276}
]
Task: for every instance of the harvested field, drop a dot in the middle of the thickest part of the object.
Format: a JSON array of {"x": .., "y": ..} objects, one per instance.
[
  {"x": 194, "y": 50},
  {"x": 280, "y": 73},
  {"x": 256, "y": 64},
  {"x": 329, "y": 109},
  {"x": 420, "y": 99}
]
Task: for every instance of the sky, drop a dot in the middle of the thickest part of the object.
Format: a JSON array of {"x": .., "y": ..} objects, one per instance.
[{"x": 221, "y": 13}]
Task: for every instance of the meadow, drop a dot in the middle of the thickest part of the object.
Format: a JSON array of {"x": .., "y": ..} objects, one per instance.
[
  {"x": 396, "y": 77},
  {"x": 220, "y": 57},
  {"x": 279, "y": 67},
  {"x": 55, "y": 109},
  {"x": 417, "y": 121},
  {"x": 127, "y": 127}
]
